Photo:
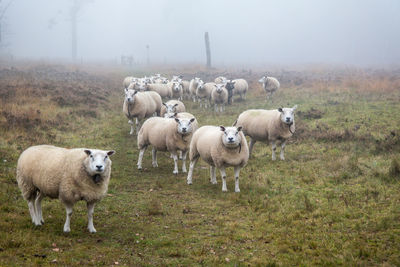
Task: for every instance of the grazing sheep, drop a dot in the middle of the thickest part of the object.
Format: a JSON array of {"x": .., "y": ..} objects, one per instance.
[
  {"x": 140, "y": 105},
  {"x": 219, "y": 96},
  {"x": 165, "y": 134},
  {"x": 128, "y": 80},
  {"x": 164, "y": 90},
  {"x": 240, "y": 87},
  {"x": 177, "y": 91},
  {"x": 67, "y": 174},
  {"x": 268, "y": 125},
  {"x": 172, "y": 106},
  {"x": 203, "y": 92},
  {"x": 220, "y": 79},
  {"x": 193, "y": 87},
  {"x": 270, "y": 85},
  {"x": 220, "y": 147}
]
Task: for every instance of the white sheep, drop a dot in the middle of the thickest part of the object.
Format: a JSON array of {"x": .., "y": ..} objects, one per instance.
[
  {"x": 140, "y": 105},
  {"x": 220, "y": 147},
  {"x": 164, "y": 90},
  {"x": 185, "y": 88},
  {"x": 128, "y": 80},
  {"x": 203, "y": 92},
  {"x": 220, "y": 79},
  {"x": 219, "y": 96},
  {"x": 268, "y": 125},
  {"x": 270, "y": 85},
  {"x": 240, "y": 87},
  {"x": 67, "y": 174},
  {"x": 177, "y": 91},
  {"x": 193, "y": 87},
  {"x": 172, "y": 106},
  {"x": 165, "y": 134}
]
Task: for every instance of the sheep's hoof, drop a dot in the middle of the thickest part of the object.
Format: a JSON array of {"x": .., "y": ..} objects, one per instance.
[
  {"x": 224, "y": 190},
  {"x": 189, "y": 182},
  {"x": 282, "y": 158},
  {"x": 184, "y": 171},
  {"x": 237, "y": 190},
  {"x": 42, "y": 221},
  {"x": 92, "y": 230},
  {"x": 67, "y": 230},
  {"x": 214, "y": 182},
  {"x": 139, "y": 167},
  {"x": 175, "y": 172},
  {"x": 155, "y": 164}
]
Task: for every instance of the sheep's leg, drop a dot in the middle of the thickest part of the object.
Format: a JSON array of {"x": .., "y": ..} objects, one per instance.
[
  {"x": 184, "y": 153},
  {"x": 191, "y": 167},
  {"x": 223, "y": 176},
  {"x": 154, "y": 157},
  {"x": 213, "y": 175},
  {"x": 216, "y": 107},
  {"x": 252, "y": 142},
  {"x": 32, "y": 212},
  {"x": 180, "y": 154},
  {"x": 221, "y": 108},
  {"x": 137, "y": 125},
  {"x": 200, "y": 102},
  {"x": 237, "y": 171},
  {"x": 273, "y": 144},
  {"x": 132, "y": 128},
  {"x": 68, "y": 209},
  {"x": 283, "y": 150},
  {"x": 139, "y": 163},
  {"x": 90, "y": 209},
  {"x": 175, "y": 157},
  {"x": 38, "y": 205}
]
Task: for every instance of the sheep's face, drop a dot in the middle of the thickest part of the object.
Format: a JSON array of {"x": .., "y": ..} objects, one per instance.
[
  {"x": 200, "y": 85},
  {"x": 97, "y": 161},
  {"x": 164, "y": 80},
  {"x": 287, "y": 114},
  {"x": 196, "y": 79},
  {"x": 170, "y": 108},
  {"x": 230, "y": 85},
  {"x": 130, "y": 95},
  {"x": 185, "y": 125},
  {"x": 231, "y": 137},
  {"x": 219, "y": 87},
  {"x": 176, "y": 87},
  {"x": 262, "y": 80}
]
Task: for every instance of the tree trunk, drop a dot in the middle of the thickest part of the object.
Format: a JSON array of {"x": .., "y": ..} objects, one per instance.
[
  {"x": 74, "y": 11},
  {"x": 208, "y": 51}
]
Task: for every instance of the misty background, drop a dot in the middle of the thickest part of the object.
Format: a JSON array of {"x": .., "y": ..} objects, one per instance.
[{"x": 361, "y": 32}]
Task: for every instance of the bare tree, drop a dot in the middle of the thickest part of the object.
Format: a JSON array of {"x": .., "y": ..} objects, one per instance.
[
  {"x": 3, "y": 10},
  {"x": 208, "y": 50},
  {"x": 74, "y": 10}
]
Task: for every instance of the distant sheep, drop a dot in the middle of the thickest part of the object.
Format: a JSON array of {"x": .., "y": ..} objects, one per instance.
[
  {"x": 172, "y": 106},
  {"x": 220, "y": 147},
  {"x": 219, "y": 96},
  {"x": 165, "y": 134},
  {"x": 164, "y": 90},
  {"x": 128, "y": 80},
  {"x": 270, "y": 85},
  {"x": 203, "y": 92},
  {"x": 268, "y": 125},
  {"x": 177, "y": 91},
  {"x": 67, "y": 174},
  {"x": 240, "y": 88},
  {"x": 193, "y": 87},
  {"x": 140, "y": 105},
  {"x": 220, "y": 79}
]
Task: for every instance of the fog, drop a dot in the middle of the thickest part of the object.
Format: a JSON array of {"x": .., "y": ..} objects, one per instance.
[{"x": 241, "y": 32}]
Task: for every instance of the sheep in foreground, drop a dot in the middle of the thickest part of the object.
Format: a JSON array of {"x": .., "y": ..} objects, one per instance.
[
  {"x": 172, "y": 106},
  {"x": 220, "y": 147},
  {"x": 193, "y": 87},
  {"x": 268, "y": 125},
  {"x": 67, "y": 174},
  {"x": 220, "y": 79},
  {"x": 219, "y": 96},
  {"x": 270, "y": 85},
  {"x": 165, "y": 134},
  {"x": 140, "y": 105},
  {"x": 203, "y": 92},
  {"x": 240, "y": 87},
  {"x": 164, "y": 90}
]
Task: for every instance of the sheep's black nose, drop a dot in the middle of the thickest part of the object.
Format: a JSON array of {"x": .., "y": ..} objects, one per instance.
[
  {"x": 99, "y": 167},
  {"x": 183, "y": 129},
  {"x": 230, "y": 139},
  {"x": 287, "y": 119}
]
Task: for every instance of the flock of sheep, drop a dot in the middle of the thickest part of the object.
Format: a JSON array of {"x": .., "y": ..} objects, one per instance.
[{"x": 83, "y": 174}]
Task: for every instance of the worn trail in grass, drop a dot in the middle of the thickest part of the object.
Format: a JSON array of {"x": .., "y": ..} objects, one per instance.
[{"x": 331, "y": 202}]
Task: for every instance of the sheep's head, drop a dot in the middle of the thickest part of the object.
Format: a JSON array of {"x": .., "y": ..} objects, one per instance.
[
  {"x": 164, "y": 80},
  {"x": 196, "y": 79},
  {"x": 231, "y": 137},
  {"x": 97, "y": 161},
  {"x": 200, "y": 85},
  {"x": 185, "y": 125},
  {"x": 130, "y": 95},
  {"x": 176, "y": 87},
  {"x": 171, "y": 108},
  {"x": 230, "y": 85},
  {"x": 219, "y": 87},
  {"x": 287, "y": 114},
  {"x": 263, "y": 79}
]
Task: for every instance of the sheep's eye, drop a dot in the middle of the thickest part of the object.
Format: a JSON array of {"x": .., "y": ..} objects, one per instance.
[
  {"x": 91, "y": 156},
  {"x": 105, "y": 157}
]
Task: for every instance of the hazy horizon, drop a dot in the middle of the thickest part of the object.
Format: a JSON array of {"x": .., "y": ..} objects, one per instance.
[{"x": 241, "y": 32}]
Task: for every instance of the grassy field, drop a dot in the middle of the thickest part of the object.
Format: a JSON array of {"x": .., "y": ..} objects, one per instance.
[{"x": 334, "y": 201}]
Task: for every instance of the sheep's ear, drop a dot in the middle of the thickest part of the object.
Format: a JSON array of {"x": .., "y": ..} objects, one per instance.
[
  {"x": 126, "y": 90},
  {"x": 177, "y": 120},
  {"x": 233, "y": 83},
  {"x": 192, "y": 120},
  {"x": 222, "y": 128},
  {"x": 88, "y": 152},
  {"x": 111, "y": 152},
  {"x": 280, "y": 109},
  {"x": 135, "y": 92},
  {"x": 164, "y": 104},
  {"x": 175, "y": 105},
  {"x": 239, "y": 128},
  {"x": 294, "y": 107},
  {"x": 175, "y": 114}
]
